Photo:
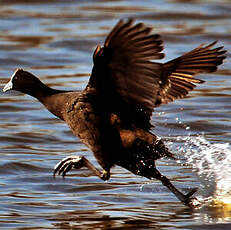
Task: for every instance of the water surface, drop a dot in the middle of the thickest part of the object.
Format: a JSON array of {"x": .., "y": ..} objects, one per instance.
[{"x": 55, "y": 41}]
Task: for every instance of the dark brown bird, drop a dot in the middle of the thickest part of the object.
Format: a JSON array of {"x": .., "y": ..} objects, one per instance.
[{"x": 112, "y": 114}]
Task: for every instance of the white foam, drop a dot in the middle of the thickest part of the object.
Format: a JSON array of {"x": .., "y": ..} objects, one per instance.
[{"x": 212, "y": 163}]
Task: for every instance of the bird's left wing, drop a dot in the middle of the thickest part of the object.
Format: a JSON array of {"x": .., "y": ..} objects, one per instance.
[{"x": 125, "y": 75}]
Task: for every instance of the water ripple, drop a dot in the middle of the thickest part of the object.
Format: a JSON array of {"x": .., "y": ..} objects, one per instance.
[{"x": 55, "y": 40}]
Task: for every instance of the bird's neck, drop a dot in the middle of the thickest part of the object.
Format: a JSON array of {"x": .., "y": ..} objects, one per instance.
[
  {"x": 52, "y": 99},
  {"x": 42, "y": 91}
]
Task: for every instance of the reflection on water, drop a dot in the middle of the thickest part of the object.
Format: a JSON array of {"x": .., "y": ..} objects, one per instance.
[{"x": 55, "y": 40}]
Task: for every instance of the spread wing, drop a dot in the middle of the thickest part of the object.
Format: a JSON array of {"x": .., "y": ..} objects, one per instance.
[
  {"x": 124, "y": 74},
  {"x": 178, "y": 74},
  {"x": 129, "y": 84}
]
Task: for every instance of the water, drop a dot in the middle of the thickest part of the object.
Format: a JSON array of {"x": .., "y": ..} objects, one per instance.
[{"x": 55, "y": 41}]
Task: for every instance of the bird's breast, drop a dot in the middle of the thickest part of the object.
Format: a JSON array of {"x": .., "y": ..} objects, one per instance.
[{"x": 83, "y": 122}]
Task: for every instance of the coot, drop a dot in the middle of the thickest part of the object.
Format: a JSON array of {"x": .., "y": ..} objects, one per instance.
[{"x": 112, "y": 114}]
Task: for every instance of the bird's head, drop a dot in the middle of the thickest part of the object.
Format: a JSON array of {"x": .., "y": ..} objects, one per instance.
[{"x": 22, "y": 81}]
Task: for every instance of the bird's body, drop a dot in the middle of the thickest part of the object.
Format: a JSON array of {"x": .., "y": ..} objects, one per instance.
[
  {"x": 112, "y": 114},
  {"x": 124, "y": 146}
]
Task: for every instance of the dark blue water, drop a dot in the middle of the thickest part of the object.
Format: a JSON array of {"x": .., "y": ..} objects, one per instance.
[{"x": 55, "y": 41}]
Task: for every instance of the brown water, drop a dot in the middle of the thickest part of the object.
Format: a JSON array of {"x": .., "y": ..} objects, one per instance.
[{"x": 55, "y": 41}]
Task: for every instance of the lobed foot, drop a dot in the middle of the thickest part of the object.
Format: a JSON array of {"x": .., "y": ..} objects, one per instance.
[
  {"x": 190, "y": 201},
  {"x": 185, "y": 199},
  {"x": 193, "y": 202},
  {"x": 77, "y": 162},
  {"x": 67, "y": 164},
  {"x": 105, "y": 175}
]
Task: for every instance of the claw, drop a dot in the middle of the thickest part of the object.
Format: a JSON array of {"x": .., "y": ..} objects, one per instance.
[
  {"x": 77, "y": 162},
  {"x": 67, "y": 164},
  {"x": 192, "y": 202},
  {"x": 67, "y": 169}
]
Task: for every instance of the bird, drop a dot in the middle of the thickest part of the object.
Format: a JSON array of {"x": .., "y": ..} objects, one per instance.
[{"x": 112, "y": 115}]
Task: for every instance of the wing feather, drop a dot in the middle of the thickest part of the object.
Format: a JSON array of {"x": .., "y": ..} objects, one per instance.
[
  {"x": 179, "y": 73},
  {"x": 129, "y": 84},
  {"x": 125, "y": 76}
]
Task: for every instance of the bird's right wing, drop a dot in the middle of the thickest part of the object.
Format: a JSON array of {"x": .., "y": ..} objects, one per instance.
[{"x": 178, "y": 74}]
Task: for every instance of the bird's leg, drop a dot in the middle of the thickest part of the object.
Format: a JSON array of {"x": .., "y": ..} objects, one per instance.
[
  {"x": 77, "y": 162},
  {"x": 186, "y": 199}
]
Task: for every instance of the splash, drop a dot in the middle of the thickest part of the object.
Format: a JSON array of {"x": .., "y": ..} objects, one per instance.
[{"x": 212, "y": 163}]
